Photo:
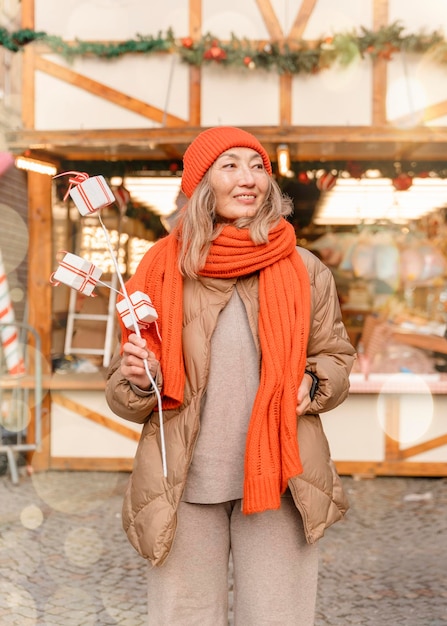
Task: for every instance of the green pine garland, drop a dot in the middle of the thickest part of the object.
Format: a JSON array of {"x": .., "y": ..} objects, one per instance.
[
  {"x": 142, "y": 44},
  {"x": 17, "y": 40},
  {"x": 297, "y": 57}
]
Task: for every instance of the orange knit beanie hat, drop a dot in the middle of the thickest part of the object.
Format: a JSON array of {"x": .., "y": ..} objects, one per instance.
[{"x": 210, "y": 144}]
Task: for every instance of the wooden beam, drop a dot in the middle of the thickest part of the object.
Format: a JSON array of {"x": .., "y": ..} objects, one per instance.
[
  {"x": 380, "y": 13},
  {"x": 195, "y": 19},
  {"x": 387, "y": 468},
  {"x": 94, "y": 416},
  {"x": 392, "y": 415},
  {"x": 310, "y": 143},
  {"x": 429, "y": 113},
  {"x": 302, "y": 18},
  {"x": 195, "y": 73},
  {"x": 363, "y": 469},
  {"x": 107, "y": 93},
  {"x": 39, "y": 289},
  {"x": 76, "y": 382},
  {"x": 285, "y": 99},
  {"x": 431, "y": 444},
  {"x": 42, "y": 139},
  {"x": 27, "y": 72},
  {"x": 195, "y": 96},
  {"x": 40, "y": 257},
  {"x": 46, "y": 138},
  {"x": 270, "y": 20},
  {"x": 96, "y": 464},
  {"x": 379, "y": 79},
  {"x": 28, "y": 87},
  {"x": 27, "y": 14}
]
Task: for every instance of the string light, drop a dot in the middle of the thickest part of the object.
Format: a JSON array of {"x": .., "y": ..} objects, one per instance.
[
  {"x": 283, "y": 156},
  {"x": 33, "y": 165}
]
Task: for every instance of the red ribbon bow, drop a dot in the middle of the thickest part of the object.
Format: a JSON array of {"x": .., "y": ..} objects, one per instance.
[{"x": 79, "y": 177}]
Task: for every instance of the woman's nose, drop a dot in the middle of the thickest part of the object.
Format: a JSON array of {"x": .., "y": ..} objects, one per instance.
[{"x": 246, "y": 176}]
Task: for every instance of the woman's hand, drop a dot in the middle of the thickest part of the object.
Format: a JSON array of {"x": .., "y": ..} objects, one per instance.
[
  {"x": 304, "y": 395},
  {"x": 132, "y": 362}
]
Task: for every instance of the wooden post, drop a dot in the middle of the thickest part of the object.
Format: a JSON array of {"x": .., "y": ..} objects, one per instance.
[
  {"x": 285, "y": 100},
  {"x": 39, "y": 289},
  {"x": 379, "y": 118},
  {"x": 27, "y": 14},
  {"x": 392, "y": 427},
  {"x": 28, "y": 72},
  {"x": 195, "y": 73}
]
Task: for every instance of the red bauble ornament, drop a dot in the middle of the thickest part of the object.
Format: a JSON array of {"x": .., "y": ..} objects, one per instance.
[
  {"x": 303, "y": 178},
  {"x": 122, "y": 197},
  {"x": 187, "y": 42},
  {"x": 355, "y": 169},
  {"x": 402, "y": 182},
  {"x": 387, "y": 52},
  {"x": 326, "y": 181},
  {"x": 215, "y": 53}
]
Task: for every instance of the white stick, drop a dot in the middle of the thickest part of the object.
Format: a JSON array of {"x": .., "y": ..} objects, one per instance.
[{"x": 138, "y": 333}]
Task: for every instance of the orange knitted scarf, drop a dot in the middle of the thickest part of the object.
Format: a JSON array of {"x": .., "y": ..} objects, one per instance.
[{"x": 272, "y": 454}]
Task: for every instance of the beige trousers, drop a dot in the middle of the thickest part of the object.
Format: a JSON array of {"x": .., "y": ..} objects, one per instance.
[{"x": 274, "y": 571}]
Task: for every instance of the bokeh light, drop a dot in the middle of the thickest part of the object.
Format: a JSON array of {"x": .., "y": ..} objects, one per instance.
[
  {"x": 415, "y": 407},
  {"x": 13, "y": 238},
  {"x": 31, "y": 517},
  {"x": 15, "y": 414}
]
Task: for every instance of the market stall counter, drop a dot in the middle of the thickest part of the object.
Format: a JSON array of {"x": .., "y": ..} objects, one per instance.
[{"x": 392, "y": 424}]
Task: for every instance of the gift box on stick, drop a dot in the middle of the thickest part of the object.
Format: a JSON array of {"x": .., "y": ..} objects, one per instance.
[
  {"x": 76, "y": 272},
  {"x": 142, "y": 307},
  {"x": 91, "y": 195}
]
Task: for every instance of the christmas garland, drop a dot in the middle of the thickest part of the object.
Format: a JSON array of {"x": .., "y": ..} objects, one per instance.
[{"x": 294, "y": 57}]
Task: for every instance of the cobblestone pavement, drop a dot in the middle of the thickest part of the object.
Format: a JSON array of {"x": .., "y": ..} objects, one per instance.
[{"x": 64, "y": 559}]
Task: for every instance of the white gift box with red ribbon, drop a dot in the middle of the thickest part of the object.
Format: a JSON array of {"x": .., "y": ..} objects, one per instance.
[
  {"x": 76, "y": 272},
  {"x": 142, "y": 307},
  {"x": 91, "y": 195}
]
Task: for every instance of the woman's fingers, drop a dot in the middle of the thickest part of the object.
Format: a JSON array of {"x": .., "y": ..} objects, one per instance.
[{"x": 135, "y": 353}]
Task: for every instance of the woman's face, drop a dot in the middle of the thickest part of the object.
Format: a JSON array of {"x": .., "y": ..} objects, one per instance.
[{"x": 240, "y": 183}]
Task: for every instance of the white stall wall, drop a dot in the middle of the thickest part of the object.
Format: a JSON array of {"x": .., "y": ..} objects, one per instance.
[
  {"x": 335, "y": 97},
  {"x": 75, "y": 436}
]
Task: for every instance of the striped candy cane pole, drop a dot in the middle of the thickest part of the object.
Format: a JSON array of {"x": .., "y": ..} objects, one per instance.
[{"x": 8, "y": 334}]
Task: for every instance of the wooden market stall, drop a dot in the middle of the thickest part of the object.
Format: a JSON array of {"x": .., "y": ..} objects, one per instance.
[{"x": 99, "y": 98}]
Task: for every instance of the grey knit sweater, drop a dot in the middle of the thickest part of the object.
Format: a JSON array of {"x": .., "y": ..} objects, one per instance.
[{"x": 217, "y": 469}]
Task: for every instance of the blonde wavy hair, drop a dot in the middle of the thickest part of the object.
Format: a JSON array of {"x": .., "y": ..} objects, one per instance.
[{"x": 199, "y": 225}]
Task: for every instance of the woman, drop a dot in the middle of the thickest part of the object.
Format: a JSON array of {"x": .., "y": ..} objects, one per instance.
[{"x": 252, "y": 349}]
